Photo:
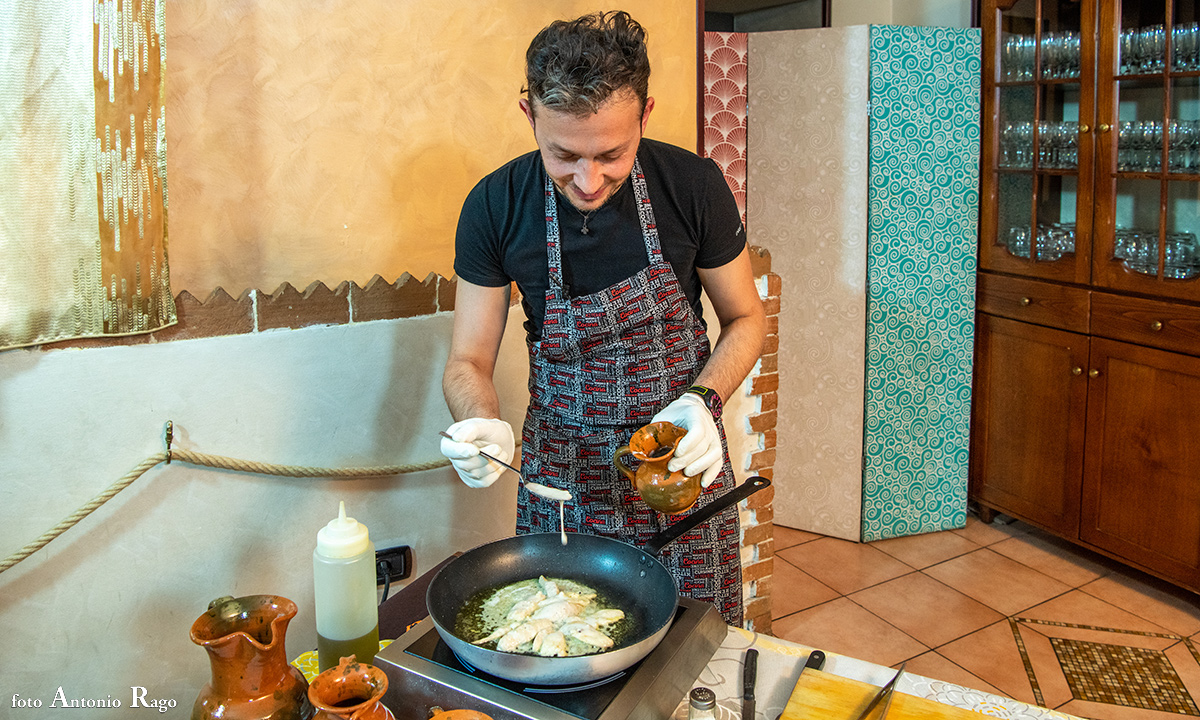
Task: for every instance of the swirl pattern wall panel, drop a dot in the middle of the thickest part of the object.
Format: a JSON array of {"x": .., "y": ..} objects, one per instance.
[
  {"x": 807, "y": 204},
  {"x": 863, "y": 185},
  {"x": 921, "y": 239}
]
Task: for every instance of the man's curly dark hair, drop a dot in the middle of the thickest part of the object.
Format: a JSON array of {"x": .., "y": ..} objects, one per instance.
[{"x": 573, "y": 66}]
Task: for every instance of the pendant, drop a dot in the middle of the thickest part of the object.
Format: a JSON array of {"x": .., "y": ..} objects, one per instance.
[{"x": 584, "y": 230}]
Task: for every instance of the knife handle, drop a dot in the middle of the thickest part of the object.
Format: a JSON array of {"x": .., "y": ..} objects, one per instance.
[
  {"x": 816, "y": 660},
  {"x": 749, "y": 674}
]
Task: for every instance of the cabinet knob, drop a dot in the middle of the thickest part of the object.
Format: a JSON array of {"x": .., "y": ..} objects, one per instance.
[
  {"x": 1076, "y": 371},
  {"x": 1103, "y": 127},
  {"x": 1156, "y": 325},
  {"x": 1093, "y": 373},
  {"x": 1084, "y": 128},
  {"x": 1026, "y": 301}
]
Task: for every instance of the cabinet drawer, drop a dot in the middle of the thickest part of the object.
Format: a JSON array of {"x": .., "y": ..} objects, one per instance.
[
  {"x": 1032, "y": 301},
  {"x": 1147, "y": 322}
]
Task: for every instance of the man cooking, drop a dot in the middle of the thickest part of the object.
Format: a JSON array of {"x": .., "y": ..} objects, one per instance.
[{"x": 610, "y": 238}]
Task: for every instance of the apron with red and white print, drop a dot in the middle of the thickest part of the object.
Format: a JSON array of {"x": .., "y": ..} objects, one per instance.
[{"x": 605, "y": 365}]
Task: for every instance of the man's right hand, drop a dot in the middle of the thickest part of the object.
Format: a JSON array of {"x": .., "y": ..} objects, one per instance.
[{"x": 495, "y": 437}]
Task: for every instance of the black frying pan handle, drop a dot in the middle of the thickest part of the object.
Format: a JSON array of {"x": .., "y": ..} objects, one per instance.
[{"x": 701, "y": 516}]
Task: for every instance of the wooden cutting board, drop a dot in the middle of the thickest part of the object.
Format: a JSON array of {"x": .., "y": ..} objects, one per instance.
[{"x": 821, "y": 696}]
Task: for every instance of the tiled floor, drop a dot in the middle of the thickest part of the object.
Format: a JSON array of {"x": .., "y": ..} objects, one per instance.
[{"x": 1003, "y": 608}]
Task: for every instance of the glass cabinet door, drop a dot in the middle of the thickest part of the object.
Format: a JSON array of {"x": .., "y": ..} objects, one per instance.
[
  {"x": 1148, "y": 161},
  {"x": 1038, "y": 64}
]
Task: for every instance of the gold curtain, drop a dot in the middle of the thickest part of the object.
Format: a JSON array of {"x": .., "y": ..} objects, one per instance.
[{"x": 83, "y": 200}]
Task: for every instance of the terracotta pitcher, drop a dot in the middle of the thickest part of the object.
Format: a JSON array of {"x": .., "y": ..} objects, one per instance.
[
  {"x": 251, "y": 677},
  {"x": 350, "y": 691},
  {"x": 654, "y": 445}
]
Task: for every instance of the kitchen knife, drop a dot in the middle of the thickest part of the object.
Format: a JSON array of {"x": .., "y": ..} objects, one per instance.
[
  {"x": 892, "y": 693},
  {"x": 816, "y": 661},
  {"x": 884, "y": 692},
  {"x": 749, "y": 676}
]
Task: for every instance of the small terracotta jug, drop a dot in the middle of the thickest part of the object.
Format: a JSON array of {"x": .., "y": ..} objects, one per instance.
[
  {"x": 654, "y": 445},
  {"x": 436, "y": 713},
  {"x": 251, "y": 677},
  {"x": 350, "y": 691}
]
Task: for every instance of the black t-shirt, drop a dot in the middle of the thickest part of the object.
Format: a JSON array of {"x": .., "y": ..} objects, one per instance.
[{"x": 501, "y": 234}]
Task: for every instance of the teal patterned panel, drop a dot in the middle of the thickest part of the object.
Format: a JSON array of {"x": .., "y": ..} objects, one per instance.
[{"x": 923, "y": 199}]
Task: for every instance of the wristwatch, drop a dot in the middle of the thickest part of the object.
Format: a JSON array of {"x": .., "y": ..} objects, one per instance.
[{"x": 710, "y": 398}]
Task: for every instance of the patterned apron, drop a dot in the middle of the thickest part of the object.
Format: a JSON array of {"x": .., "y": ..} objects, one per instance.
[{"x": 605, "y": 365}]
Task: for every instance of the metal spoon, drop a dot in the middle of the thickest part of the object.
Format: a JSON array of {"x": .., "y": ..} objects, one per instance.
[{"x": 536, "y": 488}]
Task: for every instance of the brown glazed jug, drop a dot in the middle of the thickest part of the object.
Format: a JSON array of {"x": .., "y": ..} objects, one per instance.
[
  {"x": 251, "y": 677},
  {"x": 654, "y": 445},
  {"x": 350, "y": 691}
]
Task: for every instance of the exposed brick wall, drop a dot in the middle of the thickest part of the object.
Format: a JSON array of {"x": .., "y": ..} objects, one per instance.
[
  {"x": 758, "y": 527},
  {"x": 256, "y": 311}
]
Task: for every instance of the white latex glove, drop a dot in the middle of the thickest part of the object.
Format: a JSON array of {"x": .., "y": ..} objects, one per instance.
[
  {"x": 700, "y": 450},
  {"x": 495, "y": 437}
]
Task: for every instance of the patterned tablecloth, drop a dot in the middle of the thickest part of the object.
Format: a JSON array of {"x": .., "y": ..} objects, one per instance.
[{"x": 779, "y": 665}]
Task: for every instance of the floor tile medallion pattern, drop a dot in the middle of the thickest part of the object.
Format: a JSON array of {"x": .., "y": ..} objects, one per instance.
[
  {"x": 1002, "y": 609},
  {"x": 725, "y": 87},
  {"x": 1111, "y": 666},
  {"x": 1114, "y": 673}
]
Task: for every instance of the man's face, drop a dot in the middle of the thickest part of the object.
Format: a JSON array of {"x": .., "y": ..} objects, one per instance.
[{"x": 589, "y": 157}]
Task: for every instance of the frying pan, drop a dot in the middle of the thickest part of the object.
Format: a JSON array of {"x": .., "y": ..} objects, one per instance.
[{"x": 632, "y": 577}]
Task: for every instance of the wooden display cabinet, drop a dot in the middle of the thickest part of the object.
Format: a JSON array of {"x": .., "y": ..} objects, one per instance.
[{"x": 1086, "y": 419}]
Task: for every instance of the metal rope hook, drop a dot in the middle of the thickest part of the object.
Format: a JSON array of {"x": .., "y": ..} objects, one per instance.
[{"x": 170, "y": 435}]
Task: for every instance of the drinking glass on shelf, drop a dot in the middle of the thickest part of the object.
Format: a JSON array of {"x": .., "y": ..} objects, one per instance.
[
  {"x": 1060, "y": 55},
  {"x": 1139, "y": 146},
  {"x": 1120, "y": 243},
  {"x": 1058, "y": 145},
  {"x": 1152, "y": 45},
  {"x": 1143, "y": 50},
  {"x": 1150, "y": 145},
  {"x": 1054, "y": 241},
  {"x": 1048, "y": 249},
  {"x": 1016, "y": 142},
  {"x": 1186, "y": 46},
  {"x": 1181, "y": 259},
  {"x": 1047, "y": 144},
  {"x": 1072, "y": 57},
  {"x": 1016, "y": 62},
  {"x": 1052, "y": 55},
  {"x": 1182, "y": 142},
  {"x": 1138, "y": 249},
  {"x": 1125, "y": 155},
  {"x": 1018, "y": 241},
  {"x": 1129, "y": 53}
]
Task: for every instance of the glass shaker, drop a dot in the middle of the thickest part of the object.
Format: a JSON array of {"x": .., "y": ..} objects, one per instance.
[{"x": 702, "y": 704}]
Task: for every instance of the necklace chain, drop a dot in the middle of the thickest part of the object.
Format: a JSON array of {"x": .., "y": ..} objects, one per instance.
[{"x": 586, "y": 216}]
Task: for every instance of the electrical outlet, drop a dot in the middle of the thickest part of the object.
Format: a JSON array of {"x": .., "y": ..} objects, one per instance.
[{"x": 396, "y": 560}]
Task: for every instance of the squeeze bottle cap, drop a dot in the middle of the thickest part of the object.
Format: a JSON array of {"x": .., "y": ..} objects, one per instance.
[{"x": 343, "y": 537}]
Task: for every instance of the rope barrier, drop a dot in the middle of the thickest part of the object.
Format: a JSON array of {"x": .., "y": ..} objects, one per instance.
[{"x": 215, "y": 461}]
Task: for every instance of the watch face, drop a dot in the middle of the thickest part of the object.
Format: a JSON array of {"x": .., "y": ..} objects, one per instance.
[{"x": 710, "y": 398}]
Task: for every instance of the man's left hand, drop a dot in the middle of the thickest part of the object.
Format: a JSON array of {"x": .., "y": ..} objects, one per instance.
[{"x": 700, "y": 451}]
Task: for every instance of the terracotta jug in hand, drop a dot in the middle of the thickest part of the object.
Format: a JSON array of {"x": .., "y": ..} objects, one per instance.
[{"x": 654, "y": 445}]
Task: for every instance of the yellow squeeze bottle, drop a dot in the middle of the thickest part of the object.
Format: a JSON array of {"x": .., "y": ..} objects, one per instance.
[{"x": 344, "y": 580}]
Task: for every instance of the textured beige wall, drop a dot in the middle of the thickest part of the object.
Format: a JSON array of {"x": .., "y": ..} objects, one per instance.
[
  {"x": 108, "y": 605},
  {"x": 807, "y": 204},
  {"x": 336, "y": 140}
]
